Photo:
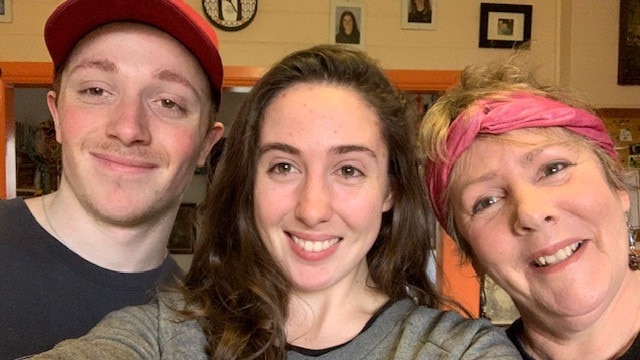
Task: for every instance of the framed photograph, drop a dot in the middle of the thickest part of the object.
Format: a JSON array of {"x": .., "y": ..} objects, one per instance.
[
  {"x": 182, "y": 237},
  {"x": 629, "y": 43},
  {"x": 504, "y": 26},
  {"x": 347, "y": 23},
  {"x": 495, "y": 304},
  {"x": 5, "y": 10},
  {"x": 418, "y": 14}
]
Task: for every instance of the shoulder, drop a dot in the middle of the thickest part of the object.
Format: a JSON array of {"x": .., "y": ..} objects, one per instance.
[
  {"x": 13, "y": 209},
  {"x": 154, "y": 330},
  {"x": 459, "y": 337},
  {"x": 158, "y": 321}
]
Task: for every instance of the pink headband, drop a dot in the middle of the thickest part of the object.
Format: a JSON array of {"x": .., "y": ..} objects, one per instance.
[{"x": 493, "y": 116}]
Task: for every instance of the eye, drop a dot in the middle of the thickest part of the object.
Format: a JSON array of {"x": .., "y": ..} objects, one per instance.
[
  {"x": 94, "y": 91},
  {"x": 484, "y": 203},
  {"x": 555, "y": 167},
  {"x": 282, "y": 168},
  {"x": 350, "y": 171},
  {"x": 168, "y": 104},
  {"x": 171, "y": 108}
]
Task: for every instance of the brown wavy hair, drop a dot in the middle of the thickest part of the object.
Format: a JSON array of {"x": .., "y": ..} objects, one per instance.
[{"x": 235, "y": 288}]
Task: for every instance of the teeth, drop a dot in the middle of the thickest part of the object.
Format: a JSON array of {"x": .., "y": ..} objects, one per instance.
[
  {"x": 560, "y": 255},
  {"x": 314, "y": 246}
]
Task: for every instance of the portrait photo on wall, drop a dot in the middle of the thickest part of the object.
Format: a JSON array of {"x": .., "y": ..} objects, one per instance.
[
  {"x": 5, "y": 10},
  {"x": 347, "y": 23},
  {"x": 418, "y": 14},
  {"x": 629, "y": 43},
  {"x": 504, "y": 25}
]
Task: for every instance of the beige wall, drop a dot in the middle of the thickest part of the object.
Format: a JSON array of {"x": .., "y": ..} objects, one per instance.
[
  {"x": 592, "y": 65},
  {"x": 574, "y": 41}
]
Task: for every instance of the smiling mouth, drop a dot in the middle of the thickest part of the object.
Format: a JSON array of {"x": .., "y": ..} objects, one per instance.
[
  {"x": 559, "y": 256},
  {"x": 314, "y": 246}
]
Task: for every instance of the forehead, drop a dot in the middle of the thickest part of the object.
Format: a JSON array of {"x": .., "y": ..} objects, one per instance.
[
  {"x": 331, "y": 108},
  {"x": 528, "y": 138},
  {"x": 131, "y": 39}
]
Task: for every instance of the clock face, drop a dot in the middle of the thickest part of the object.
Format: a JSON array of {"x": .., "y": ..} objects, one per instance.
[{"x": 230, "y": 15}]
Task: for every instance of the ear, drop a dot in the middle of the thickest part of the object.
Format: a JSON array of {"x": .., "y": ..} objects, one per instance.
[
  {"x": 212, "y": 137},
  {"x": 53, "y": 109},
  {"x": 389, "y": 199},
  {"x": 625, "y": 199}
]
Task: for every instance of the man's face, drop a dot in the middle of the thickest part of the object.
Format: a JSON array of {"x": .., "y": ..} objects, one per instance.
[{"x": 132, "y": 118}]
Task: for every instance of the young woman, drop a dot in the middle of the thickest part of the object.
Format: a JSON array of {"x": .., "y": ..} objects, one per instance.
[
  {"x": 527, "y": 180},
  {"x": 315, "y": 241},
  {"x": 348, "y": 32}
]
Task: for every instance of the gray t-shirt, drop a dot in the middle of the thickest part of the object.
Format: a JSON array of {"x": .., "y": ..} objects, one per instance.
[{"x": 403, "y": 331}]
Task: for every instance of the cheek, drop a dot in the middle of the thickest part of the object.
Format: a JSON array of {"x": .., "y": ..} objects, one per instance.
[
  {"x": 269, "y": 204},
  {"x": 74, "y": 126},
  {"x": 487, "y": 242},
  {"x": 183, "y": 144}
]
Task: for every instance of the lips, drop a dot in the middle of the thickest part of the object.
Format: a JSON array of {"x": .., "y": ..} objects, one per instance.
[
  {"x": 314, "y": 245},
  {"x": 559, "y": 256},
  {"x": 125, "y": 161}
]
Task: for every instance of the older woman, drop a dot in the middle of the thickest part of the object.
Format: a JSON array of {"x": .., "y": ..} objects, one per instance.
[{"x": 525, "y": 179}]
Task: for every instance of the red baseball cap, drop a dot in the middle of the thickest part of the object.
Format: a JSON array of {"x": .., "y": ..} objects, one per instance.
[{"x": 73, "y": 19}]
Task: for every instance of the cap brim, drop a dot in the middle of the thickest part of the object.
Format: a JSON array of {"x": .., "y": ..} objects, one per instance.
[{"x": 75, "y": 18}]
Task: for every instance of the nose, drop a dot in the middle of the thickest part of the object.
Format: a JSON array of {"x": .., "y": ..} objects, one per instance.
[
  {"x": 129, "y": 123},
  {"x": 535, "y": 209},
  {"x": 314, "y": 202}
]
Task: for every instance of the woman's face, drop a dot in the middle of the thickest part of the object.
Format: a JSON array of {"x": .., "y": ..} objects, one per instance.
[
  {"x": 347, "y": 23},
  {"x": 321, "y": 185},
  {"x": 544, "y": 223}
]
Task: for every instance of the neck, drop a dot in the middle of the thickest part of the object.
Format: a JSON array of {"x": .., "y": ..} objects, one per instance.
[
  {"x": 333, "y": 317},
  {"x": 605, "y": 336},
  {"x": 119, "y": 248}
]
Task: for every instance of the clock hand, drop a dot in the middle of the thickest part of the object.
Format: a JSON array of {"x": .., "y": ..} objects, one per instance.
[{"x": 232, "y": 5}]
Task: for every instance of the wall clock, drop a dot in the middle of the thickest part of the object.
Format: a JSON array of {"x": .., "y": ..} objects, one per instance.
[{"x": 230, "y": 15}]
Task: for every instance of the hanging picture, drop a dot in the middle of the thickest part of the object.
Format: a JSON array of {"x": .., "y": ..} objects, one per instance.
[
  {"x": 629, "y": 43},
  {"x": 504, "y": 25},
  {"x": 347, "y": 23},
  {"x": 5, "y": 10},
  {"x": 418, "y": 14}
]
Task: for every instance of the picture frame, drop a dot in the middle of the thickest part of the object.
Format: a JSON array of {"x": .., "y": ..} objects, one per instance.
[
  {"x": 415, "y": 19},
  {"x": 629, "y": 43},
  {"x": 504, "y": 26},
  {"x": 5, "y": 11},
  {"x": 495, "y": 303},
  {"x": 346, "y": 9},
  {"x": 182, "y": 238}
]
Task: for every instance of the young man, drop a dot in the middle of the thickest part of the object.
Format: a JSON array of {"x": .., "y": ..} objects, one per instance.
[{"x": 135, "y": 95}]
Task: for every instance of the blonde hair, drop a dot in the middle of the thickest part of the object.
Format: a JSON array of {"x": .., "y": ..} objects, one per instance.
[{"x": 496, "y": 81}]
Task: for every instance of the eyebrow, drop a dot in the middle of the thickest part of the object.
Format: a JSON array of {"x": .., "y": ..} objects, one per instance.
[
  {"x": 109, "y": 66},
  {"x": 528, "y": 158},
  {"x": 168, "y": 75},
  {"x": 101, "y": 64},
  {"x": 341, "y": 149}
]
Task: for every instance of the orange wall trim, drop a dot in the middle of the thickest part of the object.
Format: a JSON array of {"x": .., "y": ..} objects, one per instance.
[
  {"x": 458, "y": 279},
  {"x": 459, "y": 283}
]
